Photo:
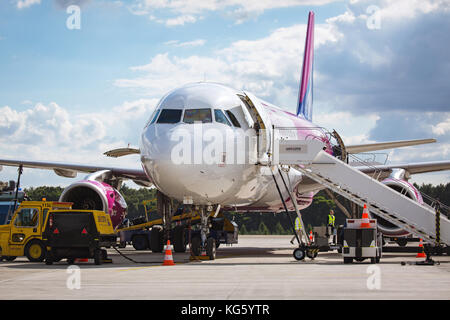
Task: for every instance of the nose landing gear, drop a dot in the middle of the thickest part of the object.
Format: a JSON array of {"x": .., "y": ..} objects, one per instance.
[{"x": 203, "y": 247}]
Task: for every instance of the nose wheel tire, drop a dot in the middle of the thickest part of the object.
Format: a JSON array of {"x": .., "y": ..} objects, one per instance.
[
  {"x": 299, "y": 254},
  {"x": 211, "y": 248},
  {"x": 196, "y": 244}
]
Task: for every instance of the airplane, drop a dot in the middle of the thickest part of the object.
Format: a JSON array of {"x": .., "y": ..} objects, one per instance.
[{"x": 209, "y": 146}]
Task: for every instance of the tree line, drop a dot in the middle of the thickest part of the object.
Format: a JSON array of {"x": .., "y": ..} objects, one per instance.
[{"x": 249, "y": 223}]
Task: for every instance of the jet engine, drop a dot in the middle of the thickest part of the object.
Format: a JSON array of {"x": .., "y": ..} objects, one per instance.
[
  {"x": 92, "y": 194},
  {"x": 406, "y": 188}
]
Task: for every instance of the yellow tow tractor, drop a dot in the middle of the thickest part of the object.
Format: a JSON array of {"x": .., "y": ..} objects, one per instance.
[{"x": 23, "y": 235}]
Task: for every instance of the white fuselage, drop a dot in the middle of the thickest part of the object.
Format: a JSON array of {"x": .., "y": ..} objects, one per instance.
[{"x": 194, "y": 151}]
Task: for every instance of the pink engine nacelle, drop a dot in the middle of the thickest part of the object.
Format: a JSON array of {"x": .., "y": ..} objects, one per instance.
[
  {"x": 387, "y": 228},
  {"x": 91, "y": 194}
]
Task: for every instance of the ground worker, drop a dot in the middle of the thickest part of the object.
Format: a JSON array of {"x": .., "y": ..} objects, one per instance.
[
  {"x": 331, "y": 228},
  {"x": 298, "y": 229}
]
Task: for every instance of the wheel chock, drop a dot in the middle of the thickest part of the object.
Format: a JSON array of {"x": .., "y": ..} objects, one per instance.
[
  {"x": 193, "y": 258},
  {"x": 107, "y": 261}
]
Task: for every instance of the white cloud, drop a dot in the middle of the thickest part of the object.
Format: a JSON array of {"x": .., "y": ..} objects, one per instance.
[
  {"x": 178, "y": 44},
  {"x": 53, "y": 133},
  {"x": 401, "y": 9},
  {"x": 180, "y": 20},
  {"x": 49, "y": 132},
  {"x": 48, "y": 125},
  {"x": 442, "y": 127},
  {"x": 423, "y": 153},
  {"x": 264, "y": 66},
  {"x": 26, "y": 3},
  {"x": 346, "y": 17},
  {"x": 353, "y": 128},
  {"x": 189, "y": 10}
]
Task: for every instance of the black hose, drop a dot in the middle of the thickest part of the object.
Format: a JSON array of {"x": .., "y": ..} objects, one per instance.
[{"x": 132, "y": 260}]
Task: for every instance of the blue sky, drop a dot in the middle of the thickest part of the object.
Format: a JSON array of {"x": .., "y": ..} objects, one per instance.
[{"x": 70, "y": 95}]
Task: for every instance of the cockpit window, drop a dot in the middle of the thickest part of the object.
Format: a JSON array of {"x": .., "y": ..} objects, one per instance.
[
  {"x": 220, "y": 117},
  {"x": 233, "y": 119},
  {"x": 193, "y": 115},
  {"x": 155, "y": 116},
  {"x": 169, "y": 116}
]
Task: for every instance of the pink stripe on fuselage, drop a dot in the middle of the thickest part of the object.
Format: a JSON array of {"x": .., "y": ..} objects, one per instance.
[{"x": 303, "y": 127}]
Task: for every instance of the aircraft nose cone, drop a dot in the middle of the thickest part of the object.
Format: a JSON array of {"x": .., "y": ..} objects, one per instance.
[{"x": 179, "y": 167}]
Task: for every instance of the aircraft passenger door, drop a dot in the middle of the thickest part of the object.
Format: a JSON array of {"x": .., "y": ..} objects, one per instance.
[{"x": 261, "y": 124}]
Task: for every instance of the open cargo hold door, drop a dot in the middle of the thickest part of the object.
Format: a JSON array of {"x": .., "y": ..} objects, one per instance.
[{"x": 259, "y": 120}]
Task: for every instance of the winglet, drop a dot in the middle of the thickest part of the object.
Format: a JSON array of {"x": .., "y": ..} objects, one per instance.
[{"x": 305, "y": 95}]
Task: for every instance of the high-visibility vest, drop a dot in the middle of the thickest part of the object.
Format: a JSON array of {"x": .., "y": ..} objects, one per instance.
[
  {"x": 298, "y": 224},
  {"x": 331, "y": 219}
]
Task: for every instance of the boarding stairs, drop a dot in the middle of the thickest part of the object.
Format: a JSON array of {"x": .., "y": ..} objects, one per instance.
[{"x": 309, "y": 157}]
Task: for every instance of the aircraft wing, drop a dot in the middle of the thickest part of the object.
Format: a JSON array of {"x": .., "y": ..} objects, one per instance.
[
  {"x": 386, "y": 145},
  {"x": 412, "y": 168},
  {"x": 70, "y": 170}
]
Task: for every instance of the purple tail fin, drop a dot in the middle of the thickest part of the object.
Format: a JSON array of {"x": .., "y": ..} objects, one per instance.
[{"x": 305, "y": 95}]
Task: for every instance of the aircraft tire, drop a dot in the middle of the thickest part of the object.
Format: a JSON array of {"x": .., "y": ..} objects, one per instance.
[
  {"x": 140, "y": 242},
  {"x": 156, "y": 240},
  {"x": 211, "y": 248},
  {"x": 179, "y": 242},
  {"x": 196, "y": 244}
]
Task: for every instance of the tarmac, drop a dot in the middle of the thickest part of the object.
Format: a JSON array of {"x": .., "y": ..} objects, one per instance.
[{"x": 258, "y": 268}]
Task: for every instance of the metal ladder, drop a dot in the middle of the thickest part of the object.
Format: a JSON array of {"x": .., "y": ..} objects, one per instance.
[{"x": 382, "y": 200}]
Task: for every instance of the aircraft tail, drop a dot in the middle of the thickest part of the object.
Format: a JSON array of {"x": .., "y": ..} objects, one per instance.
[{"x": 305, "y": 94}]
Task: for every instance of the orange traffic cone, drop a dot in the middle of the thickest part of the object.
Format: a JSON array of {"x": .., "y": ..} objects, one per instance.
[
  {"x": 365, "y": 218},
  {"x": 421, "y": 254},
  {"x": 168, "y": 259},
  {"x": 311, "y": 236}
]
